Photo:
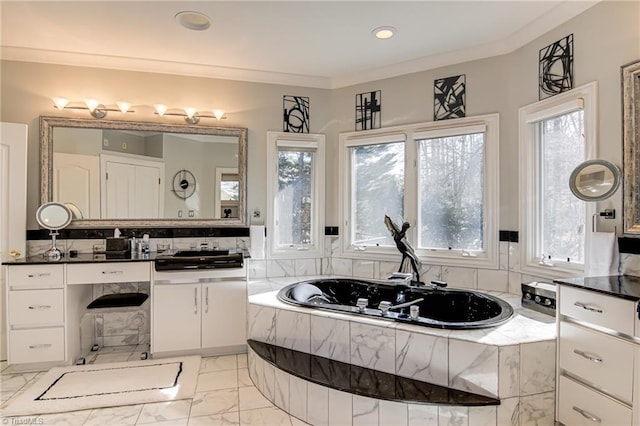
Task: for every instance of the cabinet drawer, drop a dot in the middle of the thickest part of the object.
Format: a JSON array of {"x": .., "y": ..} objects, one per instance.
[
  {"x": 33, "y": 307},
  {"x": 579, "y": 405},
  {"x": 38, "y": 345},
  {"x": 109, "y": 272},
  {"x": 597, "y": 358},
  {"x": 39, "y": 276},
  {"x": 606, "y": 311}
]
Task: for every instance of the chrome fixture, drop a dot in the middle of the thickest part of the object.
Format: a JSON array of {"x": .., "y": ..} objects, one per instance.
[
  {"x": 414, "y": 312},
  {"x": 99, "y": 110},
  {"x": 400, "y": 278},
  {"x": 361, "y": 304},
  {"x": 385, "y": 306},
  {"x": 438, "y": 284},
  {"x": 95, "y": 108}
]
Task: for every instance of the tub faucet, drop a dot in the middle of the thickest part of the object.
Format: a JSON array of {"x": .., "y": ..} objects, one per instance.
[{"x": 385, "y": 307}]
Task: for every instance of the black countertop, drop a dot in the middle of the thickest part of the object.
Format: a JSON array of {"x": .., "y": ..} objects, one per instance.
[
  {"x": 83, "y": 258},
  {"x": 98, "y": 258},
  {"x": 622, "y": 286}
]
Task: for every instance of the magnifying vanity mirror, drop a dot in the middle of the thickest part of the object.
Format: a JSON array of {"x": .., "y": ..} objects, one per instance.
[
  {"x": 53, "y": 216},
  {"x": 120, "y": 173},
  {"x": 595, "y": 180}
]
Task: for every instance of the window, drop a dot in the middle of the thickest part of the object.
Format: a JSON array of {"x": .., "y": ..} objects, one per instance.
[
  {"x": 295, "y": 165},
  {"x": 377, "y": 169},
  {"x": 441, "y": 177},
  {"x": 227, "y": 196},
  {"x": 556, "y": 135},
  {"x": 451, "y": 192}
]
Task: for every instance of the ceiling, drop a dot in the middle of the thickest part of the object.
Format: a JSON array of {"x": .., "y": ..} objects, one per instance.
[{"x": 303, "y": 43}]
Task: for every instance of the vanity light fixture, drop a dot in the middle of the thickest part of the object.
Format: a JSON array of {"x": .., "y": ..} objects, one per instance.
[
  {"x": 192, "y": 116},
  {"x": 384, "y": 33},
  {"x": 95, "y": 108},
  {"x": 99, "y": 110}
]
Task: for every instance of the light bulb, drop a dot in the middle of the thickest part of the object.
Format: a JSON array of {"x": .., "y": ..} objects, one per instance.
[
  {"x": 60, "y": 102},
  {"x": 123, "y": 106},
  {"x": 218, "y": 114},
  {"x": 92, "y": 104},
  {"x": 160, "y": 109},
  {"x": 190, "y": 112}
]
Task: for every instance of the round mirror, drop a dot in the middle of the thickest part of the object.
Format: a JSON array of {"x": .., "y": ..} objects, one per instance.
[
  {"x": 53, "y": 216},
  {"x": 595, "y": 180}
]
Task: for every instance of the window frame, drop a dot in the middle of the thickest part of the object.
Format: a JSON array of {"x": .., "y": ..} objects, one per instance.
[
  {"x": 487, "y": 258},
  {"x": 307, "y": 141},
  {"x": 585, "y": 98}
]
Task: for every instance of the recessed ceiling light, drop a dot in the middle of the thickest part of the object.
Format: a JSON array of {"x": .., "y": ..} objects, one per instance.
[
  {"x": 384, "y": 32},
  {"x": 193, "y": 20}
]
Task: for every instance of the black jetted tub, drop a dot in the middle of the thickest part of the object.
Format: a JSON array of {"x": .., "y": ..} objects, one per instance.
[{"x": 441, "y": 307}]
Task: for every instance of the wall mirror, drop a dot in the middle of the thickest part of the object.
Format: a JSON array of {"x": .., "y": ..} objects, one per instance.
[
  {"x": 594, "y": 180},
  {"x": 122, "y": 173},
  {"x": 630, "y": 75}
]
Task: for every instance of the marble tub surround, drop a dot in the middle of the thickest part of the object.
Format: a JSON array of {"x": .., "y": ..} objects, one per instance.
[
  {"x": 321, "y": 405},
  {"x": 498, "y": 362},
  {"x": 362, "y": 381}
]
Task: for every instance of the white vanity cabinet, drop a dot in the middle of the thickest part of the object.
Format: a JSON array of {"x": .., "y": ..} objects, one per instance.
[
  {"x": 598, "y": 358},
  {"x": 36, "y": 316},
  {"x": 202, "y": 311}
]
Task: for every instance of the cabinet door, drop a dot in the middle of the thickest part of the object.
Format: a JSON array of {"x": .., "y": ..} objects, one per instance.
[
  {"x": 176, "y": 317},
  {"x": 224, "y": 313}
]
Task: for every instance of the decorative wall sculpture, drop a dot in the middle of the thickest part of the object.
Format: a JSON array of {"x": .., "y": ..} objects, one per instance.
[
  {"x": 368, "y": 106},
  {"x": 449, "y": 97},
  {"x": 295, "y": 114},
  {"x": 556, "y": 68}
]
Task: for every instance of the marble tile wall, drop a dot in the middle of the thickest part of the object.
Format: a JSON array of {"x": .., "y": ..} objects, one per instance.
[
  {"x": 506, "y": 279},
  {"x": 38, "y": 247}
]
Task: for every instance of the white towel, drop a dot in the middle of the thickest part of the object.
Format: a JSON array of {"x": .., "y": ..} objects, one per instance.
[
  {"x": 256, "y": 232},
  {"x": 602, "y": 257}
]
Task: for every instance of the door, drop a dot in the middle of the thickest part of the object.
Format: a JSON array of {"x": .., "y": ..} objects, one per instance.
[
  {"x": 76, "y": 179},
  {"x": 13, "y": 206},
  {"x": 131, "y": 188},
  {"x": 176, "y": 317},
  {"x": 224, "y": 313}
]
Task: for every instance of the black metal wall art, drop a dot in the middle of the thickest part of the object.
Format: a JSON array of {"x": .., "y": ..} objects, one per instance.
[
  {"x": 449, "y": 97},
  {"x": 556, "y": 68},
  {"x": 295, "y": 114},
  {"x": 368, "y": 107}
]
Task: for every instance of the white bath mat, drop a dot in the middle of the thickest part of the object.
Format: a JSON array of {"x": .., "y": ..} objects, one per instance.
[{"x": 82, "y": 387}]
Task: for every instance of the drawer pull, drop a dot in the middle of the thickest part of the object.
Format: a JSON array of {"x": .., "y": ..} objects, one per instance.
[
  {"x": 587, "y": 415},
  {"x": 40, "y": 275},
  {"x": 112, "y": 272},
  {"x": 590, "y": 357},
  {"x": 40, "y": 346},
  {"x": 587, "y": 307},
  {"x": 39, "y": 307}
]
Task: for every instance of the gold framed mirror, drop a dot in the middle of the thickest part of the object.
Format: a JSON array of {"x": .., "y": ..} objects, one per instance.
[
  {"x": 120, "y": 173},
  {"x": 630, "y": 76}
]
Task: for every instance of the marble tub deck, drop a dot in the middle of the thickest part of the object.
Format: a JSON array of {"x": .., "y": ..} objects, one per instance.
[{"x": 514, "y": 362}]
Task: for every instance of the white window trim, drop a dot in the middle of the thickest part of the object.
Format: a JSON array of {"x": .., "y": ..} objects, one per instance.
[
  {"x": 586, "y": 98},
  {"x": 489, "y": 257},
  {"x": 296, "y": 140}
]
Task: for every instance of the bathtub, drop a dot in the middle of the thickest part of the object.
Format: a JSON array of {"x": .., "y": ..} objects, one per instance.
[{"x": 440, "y": 307}]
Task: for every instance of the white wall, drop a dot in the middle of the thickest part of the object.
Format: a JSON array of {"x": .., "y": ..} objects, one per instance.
[{"x": 606, "y": 36}]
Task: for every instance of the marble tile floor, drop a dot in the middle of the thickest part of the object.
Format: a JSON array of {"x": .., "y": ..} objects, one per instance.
[{"x": 224, "y": 396}]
